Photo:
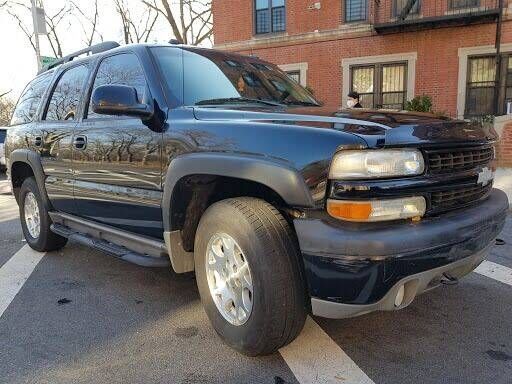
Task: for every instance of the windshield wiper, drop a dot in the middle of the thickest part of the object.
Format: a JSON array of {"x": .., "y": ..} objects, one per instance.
[
  {"x": 231, "y": 100},
  {"x": 304, "y": 103}
]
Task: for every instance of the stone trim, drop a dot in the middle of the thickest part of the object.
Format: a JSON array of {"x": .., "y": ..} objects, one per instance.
[{"x": 344, "y": 31}]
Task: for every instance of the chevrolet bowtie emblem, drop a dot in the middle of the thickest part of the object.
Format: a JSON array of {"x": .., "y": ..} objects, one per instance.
[{"x": 485, "y": 176}]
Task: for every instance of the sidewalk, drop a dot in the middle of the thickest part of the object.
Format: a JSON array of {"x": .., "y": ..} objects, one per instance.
[{"x": 503, "y": 181}]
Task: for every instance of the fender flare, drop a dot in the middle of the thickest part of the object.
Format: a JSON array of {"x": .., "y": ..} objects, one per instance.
[
  {"x": 281, "y": 178},
  {"x": 33, "y": 159}
]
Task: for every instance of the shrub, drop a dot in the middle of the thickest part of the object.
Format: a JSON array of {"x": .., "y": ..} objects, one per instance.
[{"x": 419, "y": 104}]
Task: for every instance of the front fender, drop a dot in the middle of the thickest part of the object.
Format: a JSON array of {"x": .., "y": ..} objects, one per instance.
[{"x": 281, "y": 178}]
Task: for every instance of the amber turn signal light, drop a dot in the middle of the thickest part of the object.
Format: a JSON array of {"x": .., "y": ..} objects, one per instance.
[{"x": 377, "y": 210}]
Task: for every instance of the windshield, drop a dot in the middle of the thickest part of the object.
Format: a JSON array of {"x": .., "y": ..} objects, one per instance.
[{"x": 215, "y": 78}]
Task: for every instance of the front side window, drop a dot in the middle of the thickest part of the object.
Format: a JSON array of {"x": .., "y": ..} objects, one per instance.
[
  {"x": 30, "y": 99},
  {"x": 270, "y": 16},
  {"x": 67, "y": 94},
  {"x": 380, "y": 85},
  {"x": 214, "y": 78},
  {"x": 355, "y": 10},
  {"x": 123, "y": 69}
]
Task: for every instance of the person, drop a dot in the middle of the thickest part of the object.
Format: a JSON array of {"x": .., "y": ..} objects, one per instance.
[{"x": 353, "y": 100}]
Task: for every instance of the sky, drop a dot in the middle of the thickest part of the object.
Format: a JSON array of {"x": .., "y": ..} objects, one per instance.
[{"x": 17, "y": 58}]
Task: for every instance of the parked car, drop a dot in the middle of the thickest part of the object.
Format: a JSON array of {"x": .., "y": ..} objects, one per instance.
[
  {"x": 220, "y": 164},
  {"x": 3, "y": 134}
]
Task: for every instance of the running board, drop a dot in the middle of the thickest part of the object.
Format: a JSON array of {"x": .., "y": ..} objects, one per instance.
[{"x": 124, "y": 245}]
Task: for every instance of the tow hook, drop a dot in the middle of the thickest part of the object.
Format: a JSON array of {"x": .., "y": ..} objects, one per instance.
[{"x": 449, "y": 279}]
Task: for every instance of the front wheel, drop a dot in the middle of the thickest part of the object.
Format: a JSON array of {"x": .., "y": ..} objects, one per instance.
[
  {"x": 35, "y": 221},
  {"x": 249, "y": 275}
]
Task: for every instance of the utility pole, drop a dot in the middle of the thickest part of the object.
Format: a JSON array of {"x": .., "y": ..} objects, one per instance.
[
  {"x": 498, "y": 59},
  {"x": 36, "y": 34}
]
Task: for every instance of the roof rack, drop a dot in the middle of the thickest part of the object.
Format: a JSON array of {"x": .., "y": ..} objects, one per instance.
[{"x": 93, "y": 49}]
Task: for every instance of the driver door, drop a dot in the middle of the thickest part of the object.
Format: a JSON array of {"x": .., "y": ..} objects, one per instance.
[{"x": 117, "y": 159}]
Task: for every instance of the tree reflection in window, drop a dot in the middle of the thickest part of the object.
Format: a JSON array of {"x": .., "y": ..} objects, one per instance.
[
  {"x": 123, "y": 69},
  {"x": 67, "y": 94}
]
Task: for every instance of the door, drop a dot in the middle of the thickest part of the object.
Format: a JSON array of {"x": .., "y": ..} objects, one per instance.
[
  {"x": 117, "y": 160},
  {"x": 53, "y": 136}
]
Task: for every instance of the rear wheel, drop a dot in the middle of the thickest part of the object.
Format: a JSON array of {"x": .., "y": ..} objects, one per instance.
[
  {"x": 35, "y": 221},
  {"x": 249, "y": 276}
]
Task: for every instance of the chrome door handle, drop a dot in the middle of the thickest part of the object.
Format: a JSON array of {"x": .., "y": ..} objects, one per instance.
[{"x": 80, "y": 142}]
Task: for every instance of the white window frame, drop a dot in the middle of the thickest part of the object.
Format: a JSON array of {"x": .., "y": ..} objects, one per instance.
[
  {"x": 409, "y": 57},
  {"x": 297, "y": 67},
  {"x": 464, "y": 55}
]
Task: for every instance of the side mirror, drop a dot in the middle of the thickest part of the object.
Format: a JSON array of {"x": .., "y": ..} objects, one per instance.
[{"x": 119, "y": 100}]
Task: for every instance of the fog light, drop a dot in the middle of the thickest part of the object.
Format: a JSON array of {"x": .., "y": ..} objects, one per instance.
[
  {"x": 399, "y": 298},
  {"x": 377, "y": 210}
]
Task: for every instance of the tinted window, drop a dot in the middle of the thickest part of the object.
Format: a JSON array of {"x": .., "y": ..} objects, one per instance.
[
  {"x": 30, "y": 100},
  {"x": 211, "y": 76},
  {"x": 67, "y": 95},
  {"x": 123, "y": 69},
  {"x": 3, "y": 133}
]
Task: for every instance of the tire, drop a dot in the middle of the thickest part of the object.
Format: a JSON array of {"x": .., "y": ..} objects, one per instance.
[
  {"x": 45, "y": 240},
  {"x": 268, "y": 245}
]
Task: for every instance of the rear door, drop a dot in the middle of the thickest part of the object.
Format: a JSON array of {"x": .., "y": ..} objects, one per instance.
[
  {"x": 53, "y": 135},
  {"x": 118, "y": 169}
]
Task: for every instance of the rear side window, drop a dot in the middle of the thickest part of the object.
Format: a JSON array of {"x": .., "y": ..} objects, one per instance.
[
  {"x": 123, "y": 69},
  {"x": 30, "y": 99},
  {"x": 3, "y": 133},
  {"x": 67, "y": 95}
]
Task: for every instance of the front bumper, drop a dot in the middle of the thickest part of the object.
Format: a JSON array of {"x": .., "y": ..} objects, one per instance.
[{"x": 355, "y": 268}]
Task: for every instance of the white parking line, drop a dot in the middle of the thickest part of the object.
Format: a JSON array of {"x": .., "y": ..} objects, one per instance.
[
  {"x": 315, "y": 358},
  {"x": 495, "y": 271},
  {"x": 15, "y": 272}
]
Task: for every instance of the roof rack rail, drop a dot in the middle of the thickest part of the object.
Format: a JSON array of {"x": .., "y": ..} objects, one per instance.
[{"x": 93, "y": 49}]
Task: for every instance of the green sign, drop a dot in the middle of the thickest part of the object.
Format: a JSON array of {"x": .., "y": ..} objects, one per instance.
[{"x": 46, "y": 61}]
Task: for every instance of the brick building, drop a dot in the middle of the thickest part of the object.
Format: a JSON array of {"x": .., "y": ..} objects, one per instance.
[{"x": 387, "y": 50}]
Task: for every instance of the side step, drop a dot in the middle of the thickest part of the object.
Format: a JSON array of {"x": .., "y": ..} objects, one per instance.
[{"x": 121, "y": 244}]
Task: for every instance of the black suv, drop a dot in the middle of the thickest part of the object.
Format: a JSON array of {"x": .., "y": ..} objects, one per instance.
[{"x": 220, "y": 164}]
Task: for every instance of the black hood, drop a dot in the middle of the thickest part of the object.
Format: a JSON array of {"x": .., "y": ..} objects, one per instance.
[{"x": 377, "y": 128}]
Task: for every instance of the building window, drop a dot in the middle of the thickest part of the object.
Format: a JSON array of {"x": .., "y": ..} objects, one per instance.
[
  {"x": 380, "y": 85},
  {"x": 481, "y": 85},
  {"x": 399, "y": 5},
  {"x": 296, "y": 71},
  {"x": 270, "y": 16},
  {"x": 461, "y": 4},
  {"x": 355, "y": 10},
  {"x": 294, "y": 75}
]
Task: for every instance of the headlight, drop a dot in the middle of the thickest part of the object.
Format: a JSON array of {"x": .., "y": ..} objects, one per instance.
[
  {"x": 369, "y": 164},
  {"x": 377, "y": 210}
]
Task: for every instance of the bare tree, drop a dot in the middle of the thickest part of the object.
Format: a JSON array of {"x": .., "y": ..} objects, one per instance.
[
  {"x": 137, "y": 26},
  {"x": 6, "y": 109},
  {"x": 190, "y": 20},
  {"x": 20, "y": 11},
  {"x": 89, "y": 23}
]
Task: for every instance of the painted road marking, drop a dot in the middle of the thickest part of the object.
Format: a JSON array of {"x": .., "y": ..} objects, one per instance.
[
  {"x": 495, "y": 271},
  {"x": 15, "y": 272},
  {"x": 315, "y": 358}
]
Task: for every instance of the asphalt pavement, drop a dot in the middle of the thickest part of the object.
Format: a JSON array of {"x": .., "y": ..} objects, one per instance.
[{"x": 79, "y": 316}]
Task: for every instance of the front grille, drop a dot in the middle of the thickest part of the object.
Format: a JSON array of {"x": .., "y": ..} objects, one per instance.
[
  {"x": 443, "y": 160},
  {"x": 457, "y": 198}
]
